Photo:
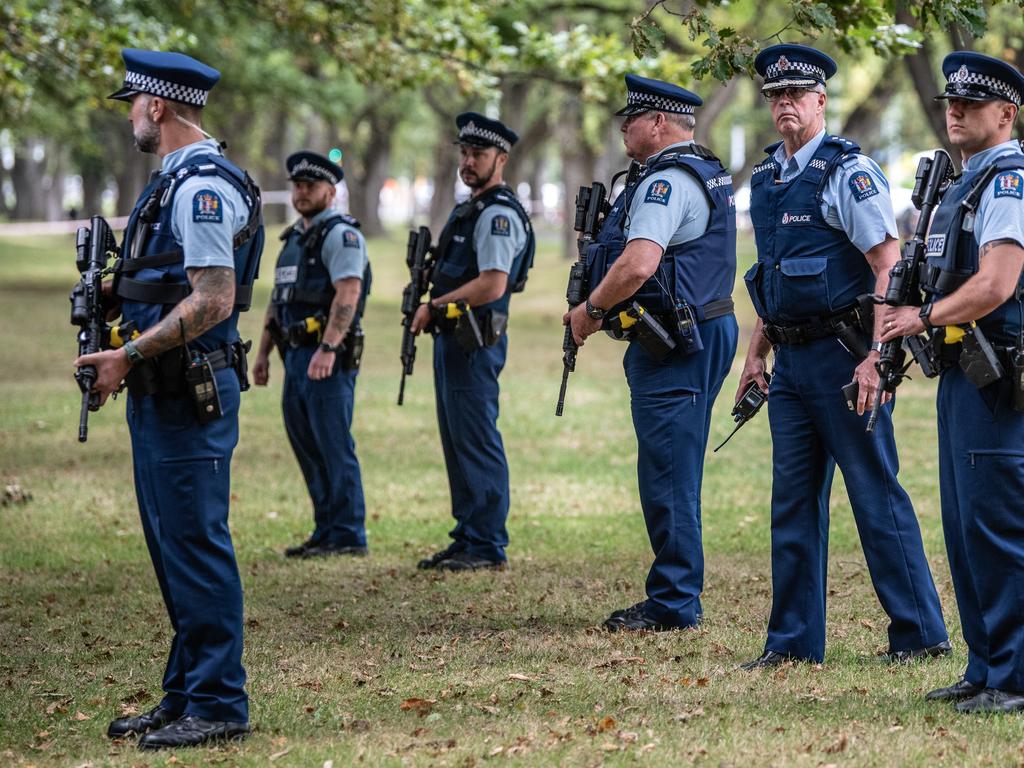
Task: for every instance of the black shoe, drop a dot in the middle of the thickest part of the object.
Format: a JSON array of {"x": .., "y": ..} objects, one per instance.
[
  {"x": 958, "y": 691},
  {"x": 157, "y": 717},
  {"x": 299, "y": 550},
  {"x": 191, "y": 731},
  {"x": 431, "y": 562},
  {"x": 991, "y": 701},
  {"x": 327, "y": 550},
  {"x": 635, "y": 619},
  {"x": 932, "y": 651},
  {"x": 464, "y": 561},
  {"x": 768, "y": 660}
]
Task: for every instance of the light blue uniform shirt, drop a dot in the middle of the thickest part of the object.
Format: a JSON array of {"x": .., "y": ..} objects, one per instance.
[
  {"x": 207, "y": 242},
  {"x": 669, "y": 208},
  {"x": 859, "y": 206},
  {"x": 344, "y": 249},
  {"x": 498, "y": 236},
  {"x": 1000, "y": 214}
]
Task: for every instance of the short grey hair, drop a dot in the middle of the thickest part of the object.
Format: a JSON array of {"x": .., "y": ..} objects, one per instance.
[{"x": 686, "y": 122}]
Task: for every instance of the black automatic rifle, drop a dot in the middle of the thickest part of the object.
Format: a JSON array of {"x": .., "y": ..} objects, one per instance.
[
  {"x": 591, "y": 207},
  {"x": 747, "y": 407},
  {"x": 93, "y": 247},
  {"x": 420, "y": 260},
  {"x": 905, "y": 276}
]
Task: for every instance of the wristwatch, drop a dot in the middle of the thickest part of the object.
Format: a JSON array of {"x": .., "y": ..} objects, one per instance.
[
  {"x": 325, "y": 347},
  {"x": 134, "y": 356},
  {"x": 876, "y": 346},
  {"x": 593, "y": 312},
  {"x": 926, "y": 317}
]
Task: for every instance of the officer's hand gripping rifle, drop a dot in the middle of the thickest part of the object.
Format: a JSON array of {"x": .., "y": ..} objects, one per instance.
[
  {"x": 420, "y": 260},
  {"x": 93, "y": 248},
  {"x": 591, "y": 207},
  {"x": 905, "y": 276}
]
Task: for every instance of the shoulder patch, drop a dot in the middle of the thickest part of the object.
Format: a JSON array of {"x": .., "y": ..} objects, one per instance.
[
  {"x": 207, "y": 206},
  {"x": 659, "y": 192},
  {"x": 349, "y": 239},
  {"x": 501, "y": 226},
  {"x": 1009, "y": 184},
  {"x": 862, "y": 186}
]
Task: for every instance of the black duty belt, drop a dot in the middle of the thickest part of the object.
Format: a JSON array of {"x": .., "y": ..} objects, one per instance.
[
  {"x": 814, "y": 328},
  {"x": 709, "y": 311}
]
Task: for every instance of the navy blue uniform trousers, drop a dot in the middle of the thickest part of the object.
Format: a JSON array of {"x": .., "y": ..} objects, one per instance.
[
  {"x": 981, "y": 471},
  {"x": 318, "y": 420},
  {"x": 812, "y": 431},
  {"x": 183, "y": 486},
  {"x": 466, "y": 391},
  {"x": 671, "y": 404}
]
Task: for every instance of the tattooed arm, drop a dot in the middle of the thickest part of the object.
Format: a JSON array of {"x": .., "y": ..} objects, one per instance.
[
  {"x": 211, "y": 301},
  {"x": 993, "y": 283},
  {"x": 342, "y": 312}
]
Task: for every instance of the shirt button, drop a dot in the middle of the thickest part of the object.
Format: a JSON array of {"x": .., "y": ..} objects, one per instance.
[{"x": 777, "y": 266}]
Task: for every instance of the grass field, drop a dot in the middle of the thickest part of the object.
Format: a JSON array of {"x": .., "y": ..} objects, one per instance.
[{"x": 369, "y": 661}]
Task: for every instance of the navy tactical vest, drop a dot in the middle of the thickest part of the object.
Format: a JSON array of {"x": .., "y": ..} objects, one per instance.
[
  {"x": 302, "y": 284},
  {"x": 952, "y": 254},
  {"x": 456, "y": 253},
  {"x": 698, "y": 271},
  {"x": 805, "y": 267},
  {"x": 151, "y": 276}
]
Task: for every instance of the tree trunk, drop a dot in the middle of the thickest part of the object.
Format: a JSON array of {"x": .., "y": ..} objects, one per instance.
[
  {"x": 27, "y": 179},
  {"x": 131, "y": 177},
  {"x": 579, "y": 161},
  {"x": 864, "y": 121},
  {"x": 93, "y": 182},
  {"x": 53, "y": 183},
  {"x": 919, "y": 65},
  {"x": 372, "y": 171}
]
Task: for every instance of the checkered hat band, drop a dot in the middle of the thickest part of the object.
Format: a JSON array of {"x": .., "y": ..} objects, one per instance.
[
  {"x": 306, "y": 168},
  {"x": 474, "y": 131},
  {"x": 660, "y": 103},
  {"x": 166, "y": 89},
  {"x": 794, "y": 68},
  {"x": 993, "y": 84}
]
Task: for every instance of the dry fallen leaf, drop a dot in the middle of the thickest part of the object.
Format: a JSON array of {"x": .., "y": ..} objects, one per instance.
[
  {"x": 81, "y": 716},
  {"x": 421, "y": 707},
  {"x": 606, "y": 723},
  {"x": 520, "y": 678},
  {"x": 282, "y": 753}
]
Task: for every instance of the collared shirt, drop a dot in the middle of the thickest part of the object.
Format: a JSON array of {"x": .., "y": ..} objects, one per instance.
[
  {"x": 855, "y": 199},
  {"x": 1000, "y": 214},
  {"x": 207, "y": 211},
  {"x": 344, "y": 249},
  {"x": 670, "y": 207},
  {"x": 498, "y": 237}
]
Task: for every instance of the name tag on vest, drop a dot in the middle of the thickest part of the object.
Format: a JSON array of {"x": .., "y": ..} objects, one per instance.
[{"x": 285, "y": 275}]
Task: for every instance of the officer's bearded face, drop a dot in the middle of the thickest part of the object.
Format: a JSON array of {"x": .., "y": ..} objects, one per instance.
[
  {"x": 145, "y": 132},
  {"x": 311, "y": 197},
  {"x": 477, "y": 165},
  {"x": 976, "y": 125},
  {"x": 639, "y": 136}
]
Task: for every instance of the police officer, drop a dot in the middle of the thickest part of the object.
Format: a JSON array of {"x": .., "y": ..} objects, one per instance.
[
  {"x": 825, "y": 236},
  {"x": 482, "y": 257},
  {"x": 190, "y": 254},
  {"x": 973, "y": 274},
  {"x": 320, "y": 283},
  {"x": 668, "y": 244}
]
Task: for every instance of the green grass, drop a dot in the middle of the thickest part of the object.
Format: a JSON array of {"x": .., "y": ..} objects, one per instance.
[{"x": 511, "y": 667}]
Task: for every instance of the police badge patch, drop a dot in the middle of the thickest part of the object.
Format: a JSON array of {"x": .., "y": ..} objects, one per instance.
[
  {"x": 1009, "y": 184},
  {"x": 658, "y": 192},
  {"x": 207, "y": 206},
  {"x": 862, "y": 186},
  {"x": 500, "y": 225},
  {"x": 349, "y": 239}
]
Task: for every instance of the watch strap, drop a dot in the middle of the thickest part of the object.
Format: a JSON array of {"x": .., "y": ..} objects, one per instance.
[
  {"x": 926, "y": 314},
  {"x": 134, "y": 356}
]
